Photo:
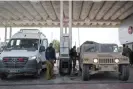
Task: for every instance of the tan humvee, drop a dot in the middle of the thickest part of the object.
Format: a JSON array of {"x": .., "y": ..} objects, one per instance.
[{"x": 95, "y": 57}]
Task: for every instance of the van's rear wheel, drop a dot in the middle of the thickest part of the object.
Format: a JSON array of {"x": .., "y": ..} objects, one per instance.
[
  {"x": 85, "y": 73},
  {"x": 124, "y": 72}
]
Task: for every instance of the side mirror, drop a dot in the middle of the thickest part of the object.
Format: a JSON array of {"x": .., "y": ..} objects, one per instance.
[{"x": 42, "y": 49}]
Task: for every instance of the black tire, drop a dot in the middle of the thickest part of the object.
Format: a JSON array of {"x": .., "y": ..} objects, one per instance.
[
  {"x": 124, "y": 72},
  {"x": 37, "y": 74},
  {"x": 80, "y": 69},
  {"x": 85, "y": 73},
  {"x": 3, "y": 76}
]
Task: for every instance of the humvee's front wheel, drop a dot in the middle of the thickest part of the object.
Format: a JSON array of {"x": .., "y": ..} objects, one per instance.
[
  {"x": 124, "y": 72},
  {"x": 85, "y": 73}
]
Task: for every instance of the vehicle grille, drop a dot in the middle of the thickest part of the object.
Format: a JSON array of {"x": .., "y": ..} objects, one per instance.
[
  {"x": 106, "y": 61},
  {"x": 13, "y": 62}
]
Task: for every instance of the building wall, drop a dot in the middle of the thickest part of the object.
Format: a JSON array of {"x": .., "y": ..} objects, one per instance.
[{"x": 124, "y": 36}]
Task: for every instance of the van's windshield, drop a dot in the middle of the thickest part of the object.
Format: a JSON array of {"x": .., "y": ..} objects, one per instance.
[{"x": 23, "y": 44}]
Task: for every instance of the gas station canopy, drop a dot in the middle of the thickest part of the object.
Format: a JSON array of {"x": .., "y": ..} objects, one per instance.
[{"x": 47, "y": 13}]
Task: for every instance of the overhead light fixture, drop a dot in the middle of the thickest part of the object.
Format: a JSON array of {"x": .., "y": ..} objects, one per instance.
[{"x": 87, "y": 20}]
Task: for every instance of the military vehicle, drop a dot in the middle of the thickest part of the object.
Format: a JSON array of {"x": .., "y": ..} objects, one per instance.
[{"x": 96, "y": 57}]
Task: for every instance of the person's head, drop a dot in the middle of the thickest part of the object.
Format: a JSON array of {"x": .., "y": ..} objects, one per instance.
[
  {"x": 127, "y": 46},
  {"x": 50, "y": 45},
  {"x": 124, "y": 45},
  {"x": 74, "y": 47}
]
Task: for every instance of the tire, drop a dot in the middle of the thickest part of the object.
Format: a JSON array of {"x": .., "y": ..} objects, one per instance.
[
  {"x": 38, "y": 71},
  {"x": 80, "y": 69},
  {"x": 3, "y": 76},
  {"x": 85, "y": 73},
  {"x": 37, "y": 74},
  {"x": 124, "y": 73}
]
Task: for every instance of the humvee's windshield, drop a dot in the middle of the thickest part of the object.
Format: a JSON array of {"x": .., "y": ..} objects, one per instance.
[
  {"x": 100, "y": 48},
  {"x": 108, "y": 48},
  {"x": 90, "y": 48}
]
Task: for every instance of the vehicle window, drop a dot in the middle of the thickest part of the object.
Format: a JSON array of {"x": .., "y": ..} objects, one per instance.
[
  {"x": 12, "y": 42},
  {"x": 45, "y": 43},
  {"x": 109, "y": 48},
  {"x": 23, "y": 43},
  {"x": 18, "y": 42},
  {"x": 90, "y": 48}
]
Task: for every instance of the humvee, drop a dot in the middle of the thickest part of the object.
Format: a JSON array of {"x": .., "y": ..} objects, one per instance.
[{"x": 96, "y": 57}]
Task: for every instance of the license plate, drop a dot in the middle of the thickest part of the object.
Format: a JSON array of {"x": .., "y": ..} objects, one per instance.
[
  {"x": 105, "y": 65},
  {"x": 13, "y": 71}
]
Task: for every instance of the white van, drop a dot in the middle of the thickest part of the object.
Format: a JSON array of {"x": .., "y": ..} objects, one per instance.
[{"x": 24, "y": 54}]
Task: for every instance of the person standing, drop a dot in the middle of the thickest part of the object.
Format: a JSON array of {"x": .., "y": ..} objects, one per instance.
[
  {"x": 51, "y": 59},
  {"x": 127, "y": 52},
  {"x": 73, "y": 56}
]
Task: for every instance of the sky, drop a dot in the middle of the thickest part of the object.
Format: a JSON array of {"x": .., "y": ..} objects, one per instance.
[{"x": 101, "y": 35}]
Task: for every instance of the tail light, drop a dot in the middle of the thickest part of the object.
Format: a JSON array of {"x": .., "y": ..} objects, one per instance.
[
  {"x": 20, "y": 59},
  {"x": 5, "y": 59}
]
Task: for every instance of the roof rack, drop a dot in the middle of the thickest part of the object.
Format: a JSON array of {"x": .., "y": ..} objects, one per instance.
[{"x": 29, "y": 30}]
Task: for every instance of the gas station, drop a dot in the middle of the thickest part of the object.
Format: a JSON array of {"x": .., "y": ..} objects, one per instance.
[{"x": 66, "y": 15}]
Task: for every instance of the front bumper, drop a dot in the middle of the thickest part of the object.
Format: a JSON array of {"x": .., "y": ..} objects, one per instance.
[
  {"x": 18, "y": 70},
  {"x": 30, "y": 67},
  {"x": 106, "y": 67}
]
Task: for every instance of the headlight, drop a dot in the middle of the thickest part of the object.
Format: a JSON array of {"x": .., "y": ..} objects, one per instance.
[
  {"x": 95, "y": 60},
  {"x": 116, "y": 60},
  {"x": 33, "y": 57}
]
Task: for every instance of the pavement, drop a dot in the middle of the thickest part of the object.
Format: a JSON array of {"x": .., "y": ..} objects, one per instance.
[{"x": 97, "y": 81}]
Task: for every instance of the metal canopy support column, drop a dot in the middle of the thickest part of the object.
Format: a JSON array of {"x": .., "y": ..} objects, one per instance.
[
  {"x": 70, "y": 22},
  {"x": 5, "y": 34},
  {"x": 10, "y": 32},
  {"x": 61, "y": 19},
  {"x": 65, "y": 42}
]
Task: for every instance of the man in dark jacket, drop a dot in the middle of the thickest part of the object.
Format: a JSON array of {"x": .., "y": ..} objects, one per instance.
[
  {"x": 51, "y": 59},
  {"x": 73, "y": 56},
  {"x": 127, "y": 52},
  {"x": 50, "y": 53}
]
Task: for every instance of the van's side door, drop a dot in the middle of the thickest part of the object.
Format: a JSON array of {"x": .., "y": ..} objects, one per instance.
[{"x": 45, "y": 44}]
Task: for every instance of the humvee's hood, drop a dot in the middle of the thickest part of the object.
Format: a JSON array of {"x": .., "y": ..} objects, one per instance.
[{"x": 97, "y": 55}]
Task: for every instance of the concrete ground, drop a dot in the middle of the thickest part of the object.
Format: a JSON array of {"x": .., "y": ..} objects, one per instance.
[{"x": 98, "y": 81}]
